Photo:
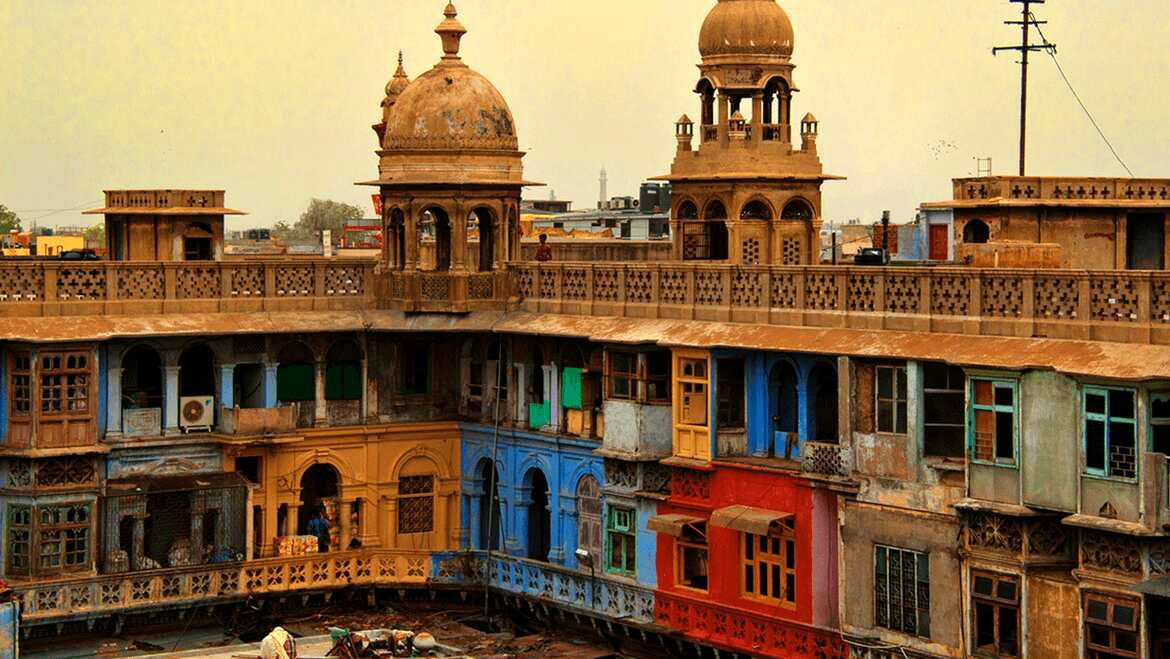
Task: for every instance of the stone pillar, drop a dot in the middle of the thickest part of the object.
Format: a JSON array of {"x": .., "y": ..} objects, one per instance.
[
  {"x": 724, "y": 116},
  {"x": 320, "y": 412},
  {"x": 757, "y": 117},
  {"x": 412, "y": 239},
  {"x": 270, "y": 370},
  {"x": 114, "y": 403},
  {"x": 344, "y": 530},
  {"x": 290, "y": 522},
  {"x": 171, "y": 400},
  {"x": 459, "y": 238},
  {"x": 365, "y": 411},
  {"x": 473, "y": 504},
  {"x": 227, "y": 375}
]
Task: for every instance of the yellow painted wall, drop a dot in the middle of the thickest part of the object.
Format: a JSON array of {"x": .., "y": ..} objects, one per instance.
[
  {"x": 369, "y": 460},
  {"x": 54, "y": 245}
]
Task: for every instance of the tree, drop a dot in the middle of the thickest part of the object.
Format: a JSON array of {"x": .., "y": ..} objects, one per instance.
[
  {"x": 8, "y": 220},
  {"x": 321, "y": 214},
  {"x": 95, "y": 235}
]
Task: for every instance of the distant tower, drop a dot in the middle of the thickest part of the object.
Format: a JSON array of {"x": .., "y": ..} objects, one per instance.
[{"x": 604, "y": 197}]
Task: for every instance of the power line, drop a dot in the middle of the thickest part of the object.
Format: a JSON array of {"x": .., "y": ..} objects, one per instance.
[
  {"x": 1060, "y": 69},
  {"x": 61, "y": 210}
]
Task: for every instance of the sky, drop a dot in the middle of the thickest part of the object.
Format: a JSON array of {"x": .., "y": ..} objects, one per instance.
[{"x": 273, "y": 101}]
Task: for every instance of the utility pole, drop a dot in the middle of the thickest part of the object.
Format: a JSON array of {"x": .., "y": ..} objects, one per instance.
[{"x": 1026, "y": 22}]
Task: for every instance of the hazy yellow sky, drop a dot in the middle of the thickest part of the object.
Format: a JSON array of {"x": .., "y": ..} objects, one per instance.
[{"x": 274, "y": 100}]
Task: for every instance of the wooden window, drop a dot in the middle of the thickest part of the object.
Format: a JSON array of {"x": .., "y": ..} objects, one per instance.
[
  {"x": 623, "y": 375},
  {"x": 1110, "y": 432},
  {"x": 63, "y": 534},
  {"x": 995, "y": 608},
  {"x": 729, "y": 385},
  {"x": 901, "y": 590},
  {"x": 1160, "y": 422},
  {"x": 589, "y": 515},
  {"x": 64, "y": 383},
  {"x": 891, "y": 399},
  {"x": 657, "y": 377},
  {"x": 1111, "y": 627},
  {"x": 416, "y": 504},
  {"x": 693, "y": 381},
  {"x": 942, "y": 398},
  {"x": 620, "y": 540},
  {"x": 21, "y": 385},
  {"x": 993, "y": 421},
  {"x": 691, "y": 557},
  {"x": 416, "y": 369},
  {"x": 19, "y": 538},
  {"x": 769, "y": 567}
]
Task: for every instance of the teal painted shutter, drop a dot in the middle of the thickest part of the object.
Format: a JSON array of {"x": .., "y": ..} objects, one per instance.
[{"x": 571, "y": 388}]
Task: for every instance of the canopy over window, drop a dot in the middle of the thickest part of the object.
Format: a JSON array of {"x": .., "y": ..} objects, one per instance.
[
  {"x": 757, "y": 521},
  {"x": 672, "y": 524}
]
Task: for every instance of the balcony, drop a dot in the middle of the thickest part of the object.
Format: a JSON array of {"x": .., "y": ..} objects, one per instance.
[
  {"x": 71, "y": 599},
  {"x": 573, "y": 589},
  {"x": 449, "y": 292},
  {"x": 1130, "y": 307},
  {"x": 51, "y": 288}
]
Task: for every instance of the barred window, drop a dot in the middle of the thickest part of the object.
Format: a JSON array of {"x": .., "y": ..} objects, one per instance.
[
  {"x": 21, "y": 384},
  {"x": 64, "y": 383},
  {"x": 901, "y": 590},
  {"x": 619, "y": 536},
  {"x": 769, "y": 567},
  {"x": 995, "y": 606},
  {"x": 63, "y": 535},
  {"x": 19, "y": 538},
  {"x": 589, "y": 515},
  {"x": 416, "y": 504}
]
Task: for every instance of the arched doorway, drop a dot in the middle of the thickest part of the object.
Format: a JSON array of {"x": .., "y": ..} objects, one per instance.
[
  {"x": 589, "y": 516},
  {"x": 489, "y": 506},
  {"x": 539, "y": 518},
  {"x": 486, "y": 225},
  {"x": 197, "y": 371},
  {"x": 142, "y": 379},
  {"x": 706, "y": 92},
  {"x": 715, "y": 230},
  {"x": 784, "y": 408},
  {"x": 976, "y": 232},
  {"x": 319, "y": 489},
  {"x": 822, "y": 396},
  {"x": 437, "y": 225}
]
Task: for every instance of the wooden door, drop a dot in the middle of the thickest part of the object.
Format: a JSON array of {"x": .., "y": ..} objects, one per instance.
[{"x": 939, "y": 249}]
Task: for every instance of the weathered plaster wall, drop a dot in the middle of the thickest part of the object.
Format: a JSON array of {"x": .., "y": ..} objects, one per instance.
[
  {"x": 1050, "y": 440},
  {"x": 636, "y": 428}
]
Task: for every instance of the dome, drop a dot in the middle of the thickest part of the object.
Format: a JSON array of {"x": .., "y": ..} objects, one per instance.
[
  {"x": 451, "y": 106},
  {"x": 397, "y": 84},
  {"x": 746, "y": 27}
]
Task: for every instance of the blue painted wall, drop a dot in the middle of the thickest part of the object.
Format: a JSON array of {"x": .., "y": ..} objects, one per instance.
[{"x": 563, "y": 461}]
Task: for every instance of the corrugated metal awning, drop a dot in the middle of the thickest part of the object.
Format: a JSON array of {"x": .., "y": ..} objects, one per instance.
[
  {"x": 672, "y": 524},
  {"x": 758, "y": 521}
]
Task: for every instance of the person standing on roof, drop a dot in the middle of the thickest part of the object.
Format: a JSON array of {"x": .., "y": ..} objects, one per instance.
[{"x": 544, "y": 252}]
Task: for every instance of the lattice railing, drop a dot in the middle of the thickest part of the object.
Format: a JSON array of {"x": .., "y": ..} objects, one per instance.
[
  {"x": 68, "y": 283},
  {"x": 756, "y": 634},
  {"x": 107, "y": 594},
  {"x": 1006, "y": 301},
  {"x": 572, "y": 588},
  {"x": 825, "y": 458}
]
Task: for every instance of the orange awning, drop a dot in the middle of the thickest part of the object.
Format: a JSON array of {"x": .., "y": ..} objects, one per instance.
[
  {"x": 757, "y": 521},
  {"x": 672, "y": 524}
]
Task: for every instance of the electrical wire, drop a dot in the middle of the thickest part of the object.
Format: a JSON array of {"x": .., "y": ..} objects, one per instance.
[{"x": 1051, "y": 50}]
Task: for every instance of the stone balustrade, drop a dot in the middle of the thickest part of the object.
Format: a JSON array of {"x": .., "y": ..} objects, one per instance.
[
  {"x": 574, "y": 589},
  {"x": 63, "y": 599},
  {"x": 826, "y": 459},
  {"x": 1082, "y": 188},
  {"x": 62, "y": 288},
  {"x": 1124, "y": 306},
  {"x": 761, "y": 635},
  {"x": 447, "y": 291}
]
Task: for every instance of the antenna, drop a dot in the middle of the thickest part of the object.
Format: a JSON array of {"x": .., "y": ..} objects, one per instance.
[{"x": 1026, "y": 22}]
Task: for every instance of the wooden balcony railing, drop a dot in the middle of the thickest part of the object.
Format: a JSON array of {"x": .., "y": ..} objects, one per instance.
[
  {"x": 1124, "y": 306},
  {"x": 50, "y": 288},
  {"x": 108, "y": 594},
  {"x": 759, "y": 635}
]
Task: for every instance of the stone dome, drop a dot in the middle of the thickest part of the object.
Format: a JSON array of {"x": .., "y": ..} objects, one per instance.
[
  {"x": 451, "y": 107},
  {"x": 746, "y": 27}
]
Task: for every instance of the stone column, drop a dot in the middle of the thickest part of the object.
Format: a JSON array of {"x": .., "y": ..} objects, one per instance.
[
  {"x": 473, "y": 504},
  {"x": 114, "y": 403},
  {"x": 459, "y": 238},
  {"x": 320, "y": 411},
  {"x": 410, "y": 235},
  {"x": 344, "y": 530},
  {"x": 171, "y": 401},
  {"x": 365, "y": 411},
  {"x": 270, "y": 370},
  {"x": 290, "y": 522},
  {"x": 724, "y": 116},
  {"x": 757, "y": 117}
]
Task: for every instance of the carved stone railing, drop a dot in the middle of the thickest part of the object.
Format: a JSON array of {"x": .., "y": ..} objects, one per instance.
[
  {"x": 446, "y": 291},
  {"x": 108, "y": 594},
  {"x": 825, "y": 458},
  {"x": 760, "y": 635},
  {"x": 1124, "y": 306},
  {"x": 50, "y": 288},
  {"x": 708, "y": 133},
  {"x": 572, "y": 588},
  {"x": 1068, "y": 188}
]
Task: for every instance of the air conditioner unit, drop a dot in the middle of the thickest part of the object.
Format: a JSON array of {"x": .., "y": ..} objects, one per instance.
[{"x": 196, "y": 413}]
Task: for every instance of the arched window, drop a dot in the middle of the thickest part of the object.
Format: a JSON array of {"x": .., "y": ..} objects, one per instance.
[
  {"x": 589, "y": 516},
  {"x": 688, "y": 211},
  {"x": 797, "y": 209},
  {"x": 416, "y": 497},
  {"x": 539, "y": 519},
  {"x": 485, "y": 225},
  {"x": 976, "y": 232},
  {"x": 319, "y": 489},
  {"x": 706, "y": 92},
  {"x": 756, "y": 210},
  {"x": 715, "y": 211},
  {"x": 436, "y": 225},
  {"x": 784, "y": 408}
]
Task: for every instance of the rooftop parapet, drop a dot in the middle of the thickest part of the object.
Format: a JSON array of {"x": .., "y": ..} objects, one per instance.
[{"x": 1095, "y": 190}]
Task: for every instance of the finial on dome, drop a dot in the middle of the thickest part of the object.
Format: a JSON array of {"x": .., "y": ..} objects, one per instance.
[
  {"x": 401, "y": 72},
  {"x": 450, "y": 31}
]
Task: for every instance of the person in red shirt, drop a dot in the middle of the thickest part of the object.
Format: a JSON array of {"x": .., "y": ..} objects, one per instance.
[{"x": 544, "y": 252}]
